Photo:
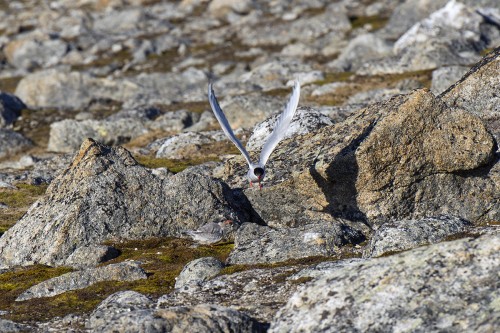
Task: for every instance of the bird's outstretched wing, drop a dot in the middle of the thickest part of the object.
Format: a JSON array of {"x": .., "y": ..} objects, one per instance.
[
  {"x": 281, "y": 125},
  {"x": 224, "y": 123}
]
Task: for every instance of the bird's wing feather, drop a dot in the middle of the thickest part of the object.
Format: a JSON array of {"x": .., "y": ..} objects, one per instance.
[
  {"x": 225, "y": 124},
  {"x": 281, "y": 125}
]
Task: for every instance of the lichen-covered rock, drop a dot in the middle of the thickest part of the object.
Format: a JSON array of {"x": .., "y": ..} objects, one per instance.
[
  {"x": 408, "y": 157},
  {"x": 71, "y": 90},
  {"x": 408, "y": 234},
  {"x": 262, "y": 244},
  {"x": 12, "y": 142},
  {"x": 124, "y": 271},
  {"x": 445, "y": 287},
  {"x": 304, "y": 121},
  {"x": 116, "y": 306},
  {"x": 199, "y": 318},
  {"x": 184, "y": 145},
  {"x": 449, "y": 36},
  {"x": 10, "y": 108},
  {"x": 359, "y": 50},
  {"x": 67, "y": 135},
  {"x": 13, "y": 327},
  {"x": 105, "y": 194},
  {"x": 259, "y": 293},
  {"x": 91, "y": 256},
  {"x": 198, "y": 271},
  {"x": 32, "y": 52},
  {"x": 444, "y": 77},
  {"x": 477, "y": 92},
  {"x": 254, "y": 106}
]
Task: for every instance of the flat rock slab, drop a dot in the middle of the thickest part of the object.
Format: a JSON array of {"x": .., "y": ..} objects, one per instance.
[
  {"x": 450, "y": 286},
  {"x": 261, "y": 244},
  {"x": 125, "y": 271},
  {"x": 408, "y": 234}
]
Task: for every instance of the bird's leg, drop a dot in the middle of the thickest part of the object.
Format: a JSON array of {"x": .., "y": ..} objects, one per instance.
[
  {"x": 251, "y": 185},
  {"x": 260, "y": 186}
]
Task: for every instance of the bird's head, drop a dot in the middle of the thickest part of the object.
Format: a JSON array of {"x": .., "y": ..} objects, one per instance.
[{"x": 259, "y": 172}]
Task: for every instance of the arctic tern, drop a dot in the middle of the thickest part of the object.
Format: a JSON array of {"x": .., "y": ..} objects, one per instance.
[{"x": 257, "y": 171}]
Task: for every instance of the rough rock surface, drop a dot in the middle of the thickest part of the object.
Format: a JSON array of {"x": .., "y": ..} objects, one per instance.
[
  {"x": 12, "y": 142},
  {"x": 405, "y": 158},
  {"x": 262, "y": 244},
  {"x": 130, "y": 313},
  {"x": 256, "y": 292},
  {"x": 96, "y": 199},
  {"x": 408, "y": 234},
  {"x": 198, "y": 271},
  {"x": 449, "y": 36},
  {"x": 445, "y": 287},
  {"x": 254, "y": 106},
  {"x": 477, "y": 92},
  {"x": 13, "y": 327},
  {"x": 444, "y": 77},
  {"x": 67, "y": 135},
  {"x": 91, "y": 256},
  {"x": 183, "y": 145},
  {"x": 125, "y": 271},
  {"x": 304, "y": 121}
]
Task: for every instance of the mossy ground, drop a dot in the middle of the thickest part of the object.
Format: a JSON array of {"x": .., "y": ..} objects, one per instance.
[
  {"x": 161, "y": 258},
  {"x": 18, "y": 202},
  {"x": 203, "y": 153}
]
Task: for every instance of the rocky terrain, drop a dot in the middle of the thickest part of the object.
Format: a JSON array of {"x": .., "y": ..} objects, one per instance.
[{"x": 379, "y": 212}]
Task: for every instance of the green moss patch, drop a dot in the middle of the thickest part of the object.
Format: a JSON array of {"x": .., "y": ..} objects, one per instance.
[
  {"x": 199, "y": 155},
  {"x": 18, "y": 202},
  {"x": 373, "y": 22},
  {"x": 9, "y": 84},
  {"x": 161, "y": 258}
]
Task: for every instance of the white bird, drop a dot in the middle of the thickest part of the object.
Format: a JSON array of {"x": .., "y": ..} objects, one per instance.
[{"x": 257, "y": 171}]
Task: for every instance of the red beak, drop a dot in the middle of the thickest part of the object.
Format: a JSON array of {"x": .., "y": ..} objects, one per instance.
[{"x": 260, "y": 185}]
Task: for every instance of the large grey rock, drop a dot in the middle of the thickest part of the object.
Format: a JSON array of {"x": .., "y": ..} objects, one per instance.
[
  {"x": 477, "y": 92},
  {"x": 408, "y": 234},
  {"x": 256, "y": 244},
  {"x": 35, "y": 52},
  {"x": 306, "y": 29},
  {"x": 359, "y": 50},
  {"x": 91, "y": 256},
  {"x": 259, "y": 293},
  {"x": 10, "y": 108},
  {"x": 117, "y": 306},
  {"x": 431, "y": 288},
  {"x": 444, "y": 77},
  {"x": 304, "y": 121},
  {"x": 67, "y": 135},
  {"x": 449, "y": 36},
  {"x": 409, "y": 12},
  {"x": 406, "y": 158},
  {"x": 13, "y": 327},
  {"x": 71, "y": 90},
  {"x": 198, "y": 271},
  {"x": 183, "y": 145},
  {"x": 124, "y": 271},
  {"x": 12, "y": 142},
  {"x": 96, "y": 198},
  {"x": 249, "y": 109},
  {"x": 126, "y": 317}
]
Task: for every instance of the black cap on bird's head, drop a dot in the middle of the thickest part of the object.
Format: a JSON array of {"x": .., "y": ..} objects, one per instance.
[{"x": 258, "y": 172}]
